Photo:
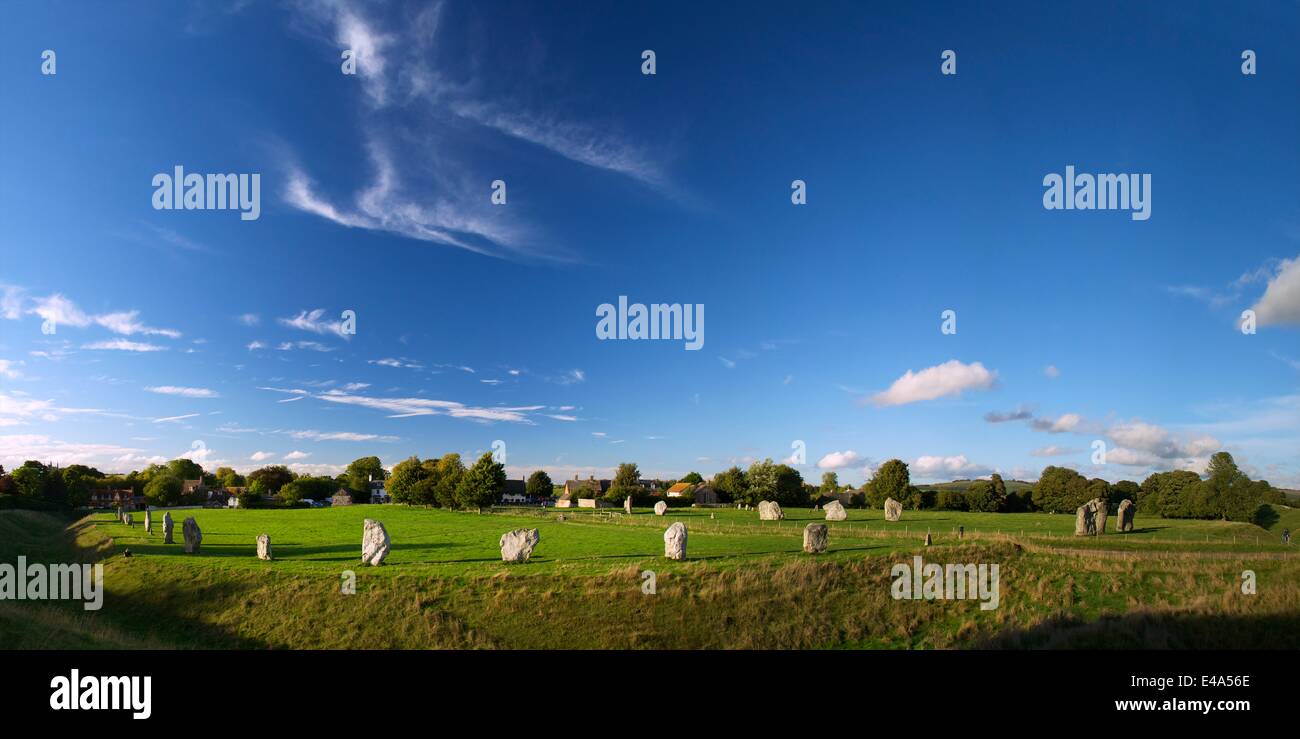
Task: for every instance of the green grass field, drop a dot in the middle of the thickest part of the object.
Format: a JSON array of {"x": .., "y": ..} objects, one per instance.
[{"x": 745, "y": 584}]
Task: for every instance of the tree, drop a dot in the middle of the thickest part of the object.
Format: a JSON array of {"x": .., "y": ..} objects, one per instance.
[
  {"x": 1060, "y": 490},
  {"x": 404, "y": 483},
  {"x": 445, "y": 479},
  {"x": 273, "y": 477},
  {"x": 309, "y": 488},
  {"x": 890, "y": 481},
  {"x": 185, "y": 468},
  {"x": 830, "y": 483},
  {"x": 482, "y": 484},
  {"x": 1123, "y": 490},
  {"x": 359, "y": 474},
  {"x": 980, "y": 497},
  {"x": 227, "y": 477},
  {"x": 693, "y": 478},
  {"x": 731, "y": 485},
  {"x": 998, "y": 493},
  {"x": 782, "y": 483},
  {"x": 627, "y": 481},
  {"x": 78, "y": 479},
  {"x": 539, "y": 485},
  {"x": 163, "y": 491}
]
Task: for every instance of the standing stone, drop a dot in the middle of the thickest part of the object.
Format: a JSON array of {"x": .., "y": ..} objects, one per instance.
[
  {"x": 769, "y": 510},
  {"x": 1126, "y": 513},
  {"x": 814, "y": 538},
  {"x": 835, "y": 511},
  {"x": 167, "y": 528},
  {"x": 517, "y": 545},
  {"x": 660, "y": 507},
  {"x": 118, "y": 513},
  {"x": 893, "y": 509},
  {"x": 675, "y": 541},
  {"x": 130, "y": 520},
  {"x": 961, "y": 532},
  {"x": 374, "y": 543},
  {"x": 1100, "y": 512},
  {"x": 627, "y": 505},
  {"x": 264, "y": 546},
  {"x": 193, "y": 536},
  {"x": 148, "y": 521},
  {"x": 1089, "y": 517},
  {"x": 928, "y": 541}
]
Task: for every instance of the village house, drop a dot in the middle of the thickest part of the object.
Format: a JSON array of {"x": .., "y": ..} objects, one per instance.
[{"x": 123, "y": 498}]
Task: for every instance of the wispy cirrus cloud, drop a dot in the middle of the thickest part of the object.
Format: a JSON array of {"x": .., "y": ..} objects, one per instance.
[
  {"x": 58, "y": 310},
  {"x": 186, "y": 392},
  {"x": 123, "y": 345},
  {"x": 315, "y": 322}
]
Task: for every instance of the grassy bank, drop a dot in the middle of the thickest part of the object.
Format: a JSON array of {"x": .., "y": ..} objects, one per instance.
[{"x": 744, "y": 586}]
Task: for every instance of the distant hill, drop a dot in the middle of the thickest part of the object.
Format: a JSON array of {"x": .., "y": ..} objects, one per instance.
[
  {"x": 1292, "y": 496},
  {"x": 1013, "y": 486}
]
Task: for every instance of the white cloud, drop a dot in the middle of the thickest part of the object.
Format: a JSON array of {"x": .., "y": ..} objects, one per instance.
[
  {"x": 573, "y": 141},
  {"x": 125, "y": 323},
  {"x": 337, "y": 436},
  {"x": 186, "y": 392},
  {"x": 294, "y": 455},
  {"x": 124, "y": 346},
  {"x": 392, "y": 362},
  {"x": 405, "y": 407},
  {"x": 931, "y": 468},
  {"x": 1066, "y": 422},
  {"x": 11, "y": 302},
  {"x": 8, "y": 369},
  {"x": 260, "y": 456},
  {"x": 1054, "y": 451},
  {"x": 172, "y": 419},
  {"x": 61, "y": 311},
  {"x": 16, "y": 408},
  {"x": 1156, "y": 443},
  {"x": 252, "y": 345},
  {"x": 380, "y": 207},
  {"x": 1280, "y": 304},
  {"x": 250, "y": 319},
  {"x": 1051, "y": 371},
  {"x": 950, "y": 378},
  {"x": 839, "y": 460},
  {"x": 16, "y": 449},
  {"x": 315, "y": 322}
]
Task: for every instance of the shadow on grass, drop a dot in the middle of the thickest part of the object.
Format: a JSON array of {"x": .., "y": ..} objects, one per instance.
[{"x": 1156, "y": 631}]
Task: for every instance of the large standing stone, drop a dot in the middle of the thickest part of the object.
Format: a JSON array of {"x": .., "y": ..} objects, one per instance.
[
  {"x": 374, "y": 543},
  {"x": 148, "y": 521},
  {"x": 660, "y": 508},
  {"x": 517, "y": 545},
  {"x": 627, "y": 505},
  {"x": 1090, "y": 518},
  {"x": 168, "y": 525},
  {"x": 769, "y": 510},
  {"x": 675, "y": 541},
  {"x": 835, "y": 511},
  {"x": 814, "y": 538},
  {"x": 264, "y": 546},
  {"x": 893, "y": 509},
  {"x": 193, "y": 536},
  {"x": 1127, "y": 510},
  {"x": 130, "y": 520}
]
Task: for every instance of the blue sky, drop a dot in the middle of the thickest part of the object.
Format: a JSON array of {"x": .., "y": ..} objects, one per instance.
[{"x": 196, "y": 333}]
